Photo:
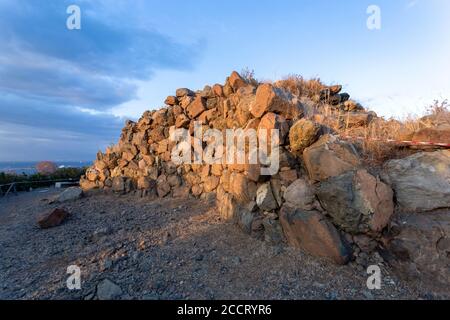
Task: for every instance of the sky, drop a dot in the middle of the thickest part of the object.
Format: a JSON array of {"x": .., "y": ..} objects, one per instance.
[{"x": 65, "y": 94}]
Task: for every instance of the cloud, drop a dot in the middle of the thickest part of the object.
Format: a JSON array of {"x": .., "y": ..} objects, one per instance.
[{"x": 57, "y": 83}]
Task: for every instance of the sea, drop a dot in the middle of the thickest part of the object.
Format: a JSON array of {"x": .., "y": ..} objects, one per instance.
[{"x": 29, "y": 167}]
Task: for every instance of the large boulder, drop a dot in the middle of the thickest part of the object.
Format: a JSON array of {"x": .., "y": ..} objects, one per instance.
[
  {"x": 303, "y": 134},
  {"x": 313, "y": 233},
  {"x": 330, "y": 157},
  {"x": 357, "y": 202},
  {"x": 421, "y": 182},
  {"x": 270, "y": 99},
  {"x": 421, "y": 246}
]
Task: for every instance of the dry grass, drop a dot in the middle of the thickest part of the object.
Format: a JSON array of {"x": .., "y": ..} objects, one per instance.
[
  {"x": 375, "y": 146},
  {"x": 300, "y": 87}
]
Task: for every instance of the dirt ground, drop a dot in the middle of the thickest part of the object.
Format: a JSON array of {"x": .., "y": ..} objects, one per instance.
[{"x": 164, "y": 249}]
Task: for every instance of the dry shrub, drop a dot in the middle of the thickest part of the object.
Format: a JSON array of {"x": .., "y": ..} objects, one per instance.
[
  {"x": 249, "y": 76},
  {"x": 300, "y": 87}
]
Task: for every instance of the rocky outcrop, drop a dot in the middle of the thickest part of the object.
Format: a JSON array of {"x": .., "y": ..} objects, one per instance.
[{"x": 421, "y": 182}]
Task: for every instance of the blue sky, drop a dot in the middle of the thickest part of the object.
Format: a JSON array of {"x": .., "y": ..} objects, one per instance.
[{"x": 65, "y": 94}]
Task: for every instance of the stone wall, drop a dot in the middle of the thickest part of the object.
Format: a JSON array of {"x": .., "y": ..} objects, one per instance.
[{"x": 322, "y": 199}]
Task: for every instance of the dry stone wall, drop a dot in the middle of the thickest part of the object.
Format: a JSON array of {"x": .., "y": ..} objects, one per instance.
[{"x": 321, "y": 200}]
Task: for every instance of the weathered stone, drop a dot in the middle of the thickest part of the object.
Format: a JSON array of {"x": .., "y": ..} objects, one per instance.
[
  {"x": 70, "y": 194},
  {"x": 196, "y": 107},
  {"x": 288, "y": 176},
  {"x": 218, "y": 90},
  {"x": 270, "y": 99},
  {"x": 272, "y": 121},
  {"x": 87, "y": 185},
  {"x": 108, "y": 290},
  {"x": 118, "y": 184},
  {"x": 241, "y": 188},
  {"x": 182, "y": 92},
  {"x": 174, "y": 180},
  {"x": 300, "y": 195},
  {"x": 265, "y": 198},
  {"x": 302, "y": 135},
  {"x": 236, "y": 81},
  {"x": 273, "y": 232},
  {"x": 313, "y": 233},
  {"x": 197, "y": 190},
  {"x": 144, "y": 183},
  {"x": 182, "y": 121},
  {"x": 330, "y": 157},
  {"x": 228, "y": 207},
  {"x": 357, "y": 202},
  {"x": 181, "y": 192},
  {"x": 245, "y": 220},
  {"x": 171, "y": 100},
  {"x": 52, "y": 219},
  {"x": 421, "y": 247},
  {"x": 421, "y": 181},
  {"x": 211, "y": 183}
]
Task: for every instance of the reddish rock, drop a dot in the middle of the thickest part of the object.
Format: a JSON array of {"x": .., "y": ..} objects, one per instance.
[
  {"x": 236, "y": 81},
  {"x": 270, "y": 99},
  {"x": 196, "y": 107},
  {"x": 171, "y": 100},
  {"x": 313, "y": 233},
  {"x": 330, "y": 157},
  {"x": 52, "y": 219}
]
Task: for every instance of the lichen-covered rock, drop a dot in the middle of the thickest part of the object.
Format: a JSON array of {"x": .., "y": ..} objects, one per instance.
[{"x": 302, "y": 135}]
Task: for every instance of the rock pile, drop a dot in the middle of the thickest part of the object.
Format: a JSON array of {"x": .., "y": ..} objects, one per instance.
[{"x": 321, "y": 200}]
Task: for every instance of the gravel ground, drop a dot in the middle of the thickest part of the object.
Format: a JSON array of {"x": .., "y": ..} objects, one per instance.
[{"x": 164, "y": 249}]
